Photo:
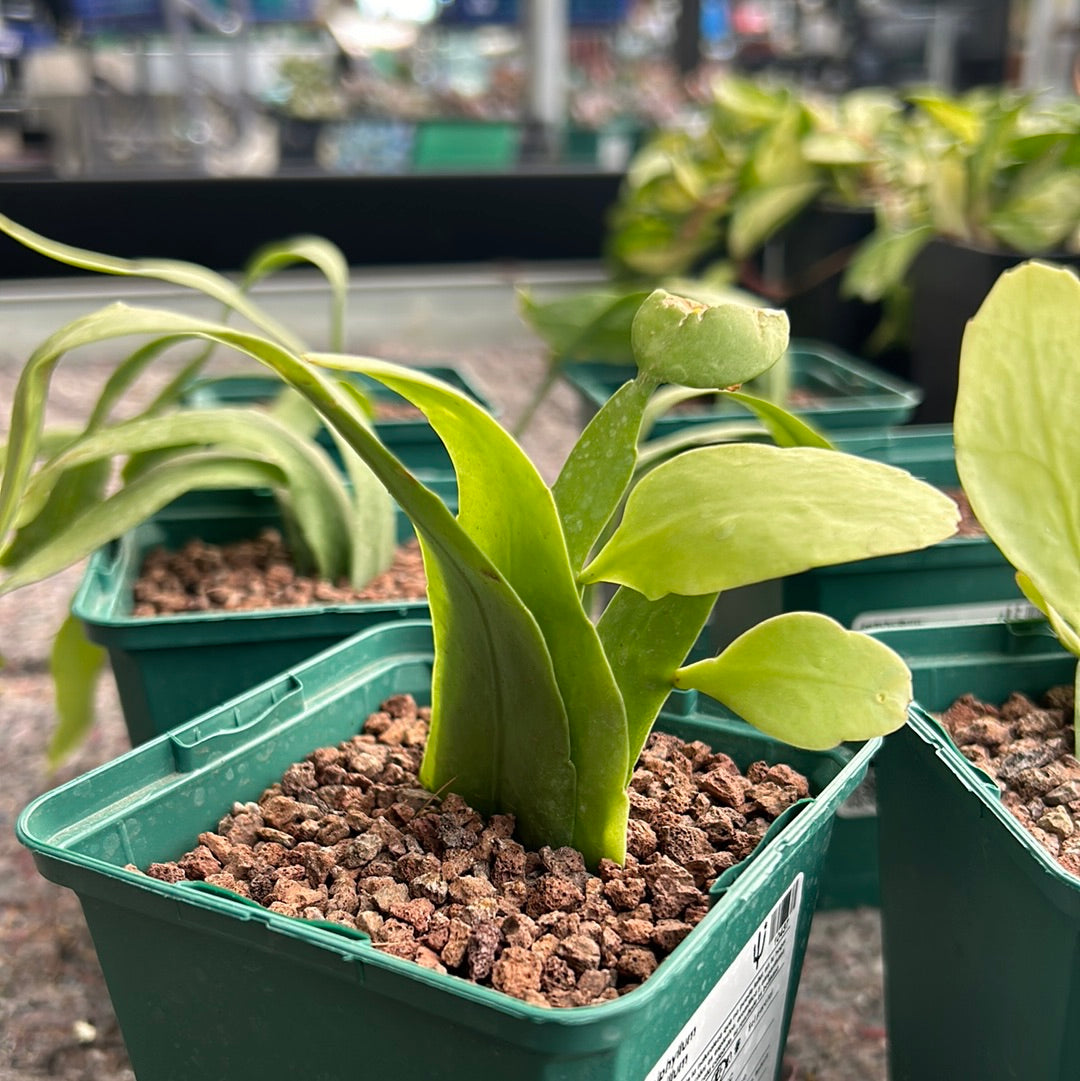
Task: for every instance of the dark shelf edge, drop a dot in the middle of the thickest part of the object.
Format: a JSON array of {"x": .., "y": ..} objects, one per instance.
[{"x": 376, "y": 220}]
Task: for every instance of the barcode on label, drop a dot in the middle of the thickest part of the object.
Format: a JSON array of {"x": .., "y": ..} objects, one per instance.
[{"x": 780, "y": 915}]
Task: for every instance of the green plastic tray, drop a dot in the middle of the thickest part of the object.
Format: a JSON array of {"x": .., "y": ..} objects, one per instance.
[
  {"x": 170, "y": 668},
  {"x": 848, "y": 393},
  {"x": 413, "y": 440},
  {"x": 208, "y": 987},
  {"x": 981, "y": 926}
]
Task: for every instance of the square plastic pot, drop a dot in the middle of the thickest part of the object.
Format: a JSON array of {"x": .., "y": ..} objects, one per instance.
[
  {"x": 981, "y": 925},
  {"x": 208, "y": 986},
  {"x": 412, "y": 439},
  {"x": 170, "y": 668},
  {"x": 846, "y": 393}
]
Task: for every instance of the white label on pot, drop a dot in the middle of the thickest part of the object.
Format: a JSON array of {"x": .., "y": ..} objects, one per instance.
[
  {"x": 988, "y": 612},
  {"x": 737, "y": 1032}
]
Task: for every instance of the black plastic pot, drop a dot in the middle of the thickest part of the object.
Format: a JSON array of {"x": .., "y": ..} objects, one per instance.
[
  {"x": 800, "y": 268},
  {"x": 949, "y": 281}
]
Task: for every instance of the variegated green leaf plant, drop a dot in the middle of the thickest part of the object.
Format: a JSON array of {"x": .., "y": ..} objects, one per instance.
[
  {"x": 1016, "y": 456},
  {"x": 996, "y": 169},
  {"x": 57, "y": 500},
  {"x": 539, "y": 711}
]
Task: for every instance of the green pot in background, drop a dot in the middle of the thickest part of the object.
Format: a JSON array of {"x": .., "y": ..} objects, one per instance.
[
  {"x": 170, "y": 668},
  {"x": 831, "y": 390}
]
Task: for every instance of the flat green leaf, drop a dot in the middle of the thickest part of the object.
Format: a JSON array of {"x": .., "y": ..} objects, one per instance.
[
  {"x": 645, "y": 642},
  {"x": 776, "y": 157},
  {"x": 868, "y": 111},
  {"x": 958, "y": 118},
  {"x": 599, "y": 468},
  {"x": 678, "y": 340},
  {"x": 76, "y": 664},
  {"x": 835, "y": 148},
  {"x": 728, "y": 516},
  {"x": 882, "y": 262},
  {"x": 510, "y": 514},
  {"x": 950, "y": 197},
  {"x": 751, "y": 99},
  {"x": 992, "y": 152},
  {"x": 802, "y": 678},
  {"x": 1016, "y": 459},
  {"x": 761, "y": 213}
]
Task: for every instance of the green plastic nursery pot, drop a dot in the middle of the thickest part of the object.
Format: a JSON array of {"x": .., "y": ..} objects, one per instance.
[
  {"x": 981, "y": 926},
  {"x": 833, "y": 391},
  {"x": 411, "y": 438},
  {"x": 208, "y": 986},
  {"x": 169, "y": 668}
]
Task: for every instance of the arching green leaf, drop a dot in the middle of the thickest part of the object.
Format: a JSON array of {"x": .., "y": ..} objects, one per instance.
[
  {"x": 320, "y": 504},
  {"x": 508, "y": 511},
  {"x": 137, "y": 501},
  {"x": 76, "y": 665},
  {"x": 61, "y": 502},
  {"x": 327, "y": 257},
  {"x": 176, "y": 272}
]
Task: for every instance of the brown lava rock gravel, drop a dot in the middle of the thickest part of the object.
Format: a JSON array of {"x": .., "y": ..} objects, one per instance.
[
  {"x": 259, "y": 573},
  {"x": 1028, "y": 749},
  {"x": 348, "y": 835}
]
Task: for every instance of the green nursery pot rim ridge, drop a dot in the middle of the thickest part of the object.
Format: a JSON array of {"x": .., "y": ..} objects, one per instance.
[{"x": 871, "y": 397}]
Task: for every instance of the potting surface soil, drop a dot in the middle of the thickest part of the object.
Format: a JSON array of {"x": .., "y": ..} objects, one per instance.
[
  {"x": 56, "y": 1020},
  {"x": 1029, "y": 749},
  {"x": 259, "y": 573},
  {"x": 350, "y": 836}
]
